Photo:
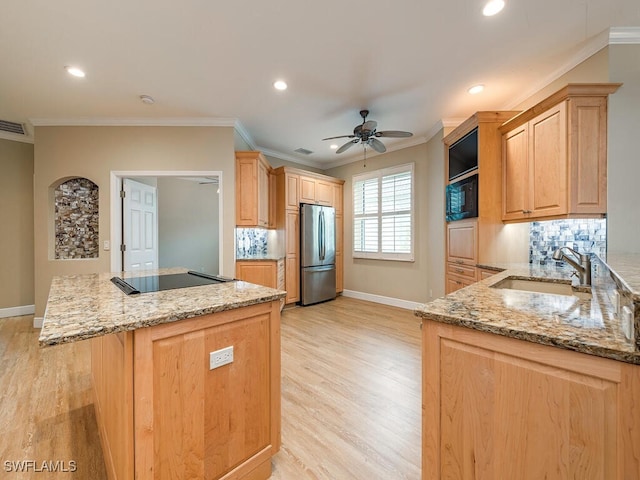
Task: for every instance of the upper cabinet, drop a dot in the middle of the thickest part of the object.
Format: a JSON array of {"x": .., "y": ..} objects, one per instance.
[
  {"x": 254, "y": 197},
  {"x": 554, "y": 156}
]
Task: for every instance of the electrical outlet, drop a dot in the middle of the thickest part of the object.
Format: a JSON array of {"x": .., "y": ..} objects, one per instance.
[{"x": 220, "y": 357}]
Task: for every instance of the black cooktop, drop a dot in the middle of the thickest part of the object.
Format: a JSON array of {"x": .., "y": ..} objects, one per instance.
[{"x": 155, "y": 283}]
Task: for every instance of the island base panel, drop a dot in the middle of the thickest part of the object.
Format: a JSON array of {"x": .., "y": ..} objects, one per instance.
[{"x": 191, "y": 421}]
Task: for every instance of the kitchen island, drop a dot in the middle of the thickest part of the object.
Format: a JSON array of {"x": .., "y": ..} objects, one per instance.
[
  {"x": 186, "y": 381},
  {"x": 528, "y": 385}
]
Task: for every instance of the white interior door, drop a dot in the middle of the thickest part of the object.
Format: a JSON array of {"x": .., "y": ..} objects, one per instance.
[{"x": 140, "y": 222}]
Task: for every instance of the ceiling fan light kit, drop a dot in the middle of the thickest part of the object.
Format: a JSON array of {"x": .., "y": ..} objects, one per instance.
[{"x": 367, "y": 134}]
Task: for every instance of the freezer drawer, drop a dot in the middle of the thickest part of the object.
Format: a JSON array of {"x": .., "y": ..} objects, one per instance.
[{"x": 317, "y": 284}]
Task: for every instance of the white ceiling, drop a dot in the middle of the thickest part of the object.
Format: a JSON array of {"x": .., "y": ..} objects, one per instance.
[{"x": 209, "y": 62}]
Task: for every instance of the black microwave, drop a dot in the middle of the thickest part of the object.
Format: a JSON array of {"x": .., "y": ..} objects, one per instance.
[{"x": 462, "y": 199}]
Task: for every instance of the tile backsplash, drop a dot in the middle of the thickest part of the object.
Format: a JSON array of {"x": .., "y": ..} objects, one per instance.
[
  {"x": 251, "y": 242},
  {"x": 258, "y": 243},
  {"x": 582, "y": 235}
]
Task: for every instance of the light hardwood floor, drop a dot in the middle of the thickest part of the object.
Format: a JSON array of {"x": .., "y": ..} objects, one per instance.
[{"x": 351, "y": 407}]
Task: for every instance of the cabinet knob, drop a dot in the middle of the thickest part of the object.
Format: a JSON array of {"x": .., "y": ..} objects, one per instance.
[
  {"x": 526, "y": 211},
  {"x": 459, "y": 270}
]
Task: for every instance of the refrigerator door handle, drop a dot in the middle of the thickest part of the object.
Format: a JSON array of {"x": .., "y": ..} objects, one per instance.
[{"x": 321, "y": 234}]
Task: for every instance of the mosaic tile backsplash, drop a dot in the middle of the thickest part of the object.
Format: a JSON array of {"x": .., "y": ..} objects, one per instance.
[
  {"x": 76, "y": 219},
  {"x": 582, "y": 235},
  {"x": 251, "y": 242}
]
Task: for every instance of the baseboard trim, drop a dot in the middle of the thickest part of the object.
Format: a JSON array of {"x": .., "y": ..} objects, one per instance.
[
  {"x": 17, "y": 311},
  {"x": 393, "y": 302},
  {"x": 37, "y": 322}
]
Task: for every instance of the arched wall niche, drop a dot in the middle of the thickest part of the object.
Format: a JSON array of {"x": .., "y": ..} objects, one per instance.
[{"x": 75, "y": 219}]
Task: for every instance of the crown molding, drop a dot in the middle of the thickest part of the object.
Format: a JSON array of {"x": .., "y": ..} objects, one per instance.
[
  {"x": 133, "y": 122},
  {"x": 244, "y": 134},
  {"x": 17, "y": 138},
  {"x": 624, "y": 35}
]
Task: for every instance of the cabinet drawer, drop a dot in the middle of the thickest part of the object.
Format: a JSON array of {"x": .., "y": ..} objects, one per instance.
[
  {"x": 461, "y": 270},
  {"x": 455, "y": 283}
]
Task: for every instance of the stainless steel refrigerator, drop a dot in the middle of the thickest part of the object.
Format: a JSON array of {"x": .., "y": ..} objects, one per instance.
[{"x": 317, "y": 253}]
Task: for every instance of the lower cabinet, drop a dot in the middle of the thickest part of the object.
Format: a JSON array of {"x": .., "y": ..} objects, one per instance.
[
  {"x": 500, "y": 408},
  {"x": 187, "y": 420},
  {"x": 269, "y": 273}
]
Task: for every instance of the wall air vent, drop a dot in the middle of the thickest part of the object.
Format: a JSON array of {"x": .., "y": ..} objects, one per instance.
[
  {"x": 12, "y": 127},
  {"x": 304, "y": 151}
]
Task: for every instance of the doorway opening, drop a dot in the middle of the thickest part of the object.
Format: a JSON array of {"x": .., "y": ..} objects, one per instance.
[{"x": 185, "y": 230}]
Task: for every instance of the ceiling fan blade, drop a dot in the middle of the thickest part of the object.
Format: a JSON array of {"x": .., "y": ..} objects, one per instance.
[
  {"x": 347, "y": 145},
  {"x": 369, "y": 126},
  {"x": 377, "y": 145},
  {"x": 393, "y": 134},
  {"x": 340, "y": 136}
]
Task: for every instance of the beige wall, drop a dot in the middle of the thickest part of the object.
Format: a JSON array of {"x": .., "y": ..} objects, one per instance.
[
  {"x": 93, "y": 152},
  {"x": 16, "y": 219},
  {"x": 401, "y": 280},
  {"x": 623, "y": 205}
]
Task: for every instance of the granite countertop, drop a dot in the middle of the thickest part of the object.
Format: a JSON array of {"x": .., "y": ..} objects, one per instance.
[
  {"x": 587, "y": 325},
  {"x": 86, "y": 306}
]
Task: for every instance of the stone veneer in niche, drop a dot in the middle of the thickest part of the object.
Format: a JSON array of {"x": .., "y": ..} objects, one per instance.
[
  {"x": 582, "y": 235},
  {"x": 76, "y": 219},
  {"x": 251, "y": 242}
]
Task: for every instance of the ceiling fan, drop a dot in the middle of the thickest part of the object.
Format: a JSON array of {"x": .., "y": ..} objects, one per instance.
[{"x": 368, "y": 135}]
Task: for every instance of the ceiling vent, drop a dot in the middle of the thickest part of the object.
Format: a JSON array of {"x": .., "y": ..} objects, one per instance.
[
  {"x": 12, "y": 127},
  {"x": 304, "y": 151}
]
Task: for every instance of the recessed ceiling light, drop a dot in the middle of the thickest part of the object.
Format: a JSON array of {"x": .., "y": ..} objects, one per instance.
[
  {"x": 280, "y": 85},
  {"x": 476, "y": 89},
  {"x": 492, "y": 7},
  {"x": 333, "y": 146},
  {"x": 75, "y": 71}
]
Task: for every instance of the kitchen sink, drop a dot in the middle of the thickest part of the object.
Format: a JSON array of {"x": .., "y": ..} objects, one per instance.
[{"x": 541, "y": 286}]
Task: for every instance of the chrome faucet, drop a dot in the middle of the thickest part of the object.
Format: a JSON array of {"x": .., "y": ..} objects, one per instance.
[{"x": 583, "y": 268}]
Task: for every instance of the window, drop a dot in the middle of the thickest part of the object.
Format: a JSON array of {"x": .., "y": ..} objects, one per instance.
[{"x": 383, "y": 214}]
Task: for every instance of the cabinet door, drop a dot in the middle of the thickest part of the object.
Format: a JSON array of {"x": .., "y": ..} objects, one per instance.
[
  {"x": 548, "y": 163},
  {"x": 338, "y": 199},
  {"x": 247, "y": 192},
  {"x": 292, "y": 279},
  {"x": 324, "y": 193},
  {"x": 263, "y": 195},
  {"x": 258, "y": 272},
  {"x": 307, "y": 190},
  {"x": 515, "y": 173},
  {"x": 455, "y": 283},
  {"x": 292, "y": 194},
  {"x": 272, "y": 200},
  {"x": 292, "y": 237},
  {"x": 500, "y": 408},
  {"x": 462, "y": 242},
  {"x": 587, "y": 120}
]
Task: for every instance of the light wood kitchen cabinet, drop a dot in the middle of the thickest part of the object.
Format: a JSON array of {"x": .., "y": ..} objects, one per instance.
[
  {"x": 260, "y": 272},
  {"x": 270, "y": 273},
  {"x": 293, "y": 187},
  {"x": 496, "y": 407},
  {"x": 253, "y": 200},
  {"x": 484, "y": 273},
  {"x": 484, "y": 239},
  {"x": 185, "y": 419},
  {"x": 555, "y": 156},
  {"x": 462, "y": 242},
  {"x": 313, "y": 190}
]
